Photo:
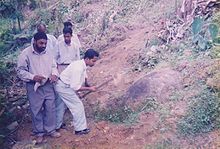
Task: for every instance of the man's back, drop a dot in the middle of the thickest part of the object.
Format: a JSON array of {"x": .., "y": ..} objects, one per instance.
[{"x": 75, "y": 74}]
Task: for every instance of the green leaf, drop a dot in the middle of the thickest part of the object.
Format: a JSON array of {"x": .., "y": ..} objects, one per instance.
[
  {"x": 195, "y": 39},
  {"x": 217, "y": 40},
  {"x": 197, "y": 25},
  {"x": 202, "y": 43},
  {"x": 213, "y": 30}
]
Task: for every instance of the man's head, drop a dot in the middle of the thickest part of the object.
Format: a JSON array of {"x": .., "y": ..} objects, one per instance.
[
  {"x": 41, "y": 28},
  {"x": 67, "y": 34},
  {"x": 40, "y": 42},
  {"x": 68, "y": 24},
  {"x": 91, "y": 57}
]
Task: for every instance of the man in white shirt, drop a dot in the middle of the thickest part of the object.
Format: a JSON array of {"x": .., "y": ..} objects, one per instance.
[
  {"x": 71, "y": 81},
  {"x": 75, "y": 38},
  {"x": 67, "y": 50}
]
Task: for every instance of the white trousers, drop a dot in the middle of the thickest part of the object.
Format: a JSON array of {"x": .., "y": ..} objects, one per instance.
[{"x": 74, "y": 104}]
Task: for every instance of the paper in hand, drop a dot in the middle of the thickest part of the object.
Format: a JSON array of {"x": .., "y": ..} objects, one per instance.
[{"x": 37, "y": 84}]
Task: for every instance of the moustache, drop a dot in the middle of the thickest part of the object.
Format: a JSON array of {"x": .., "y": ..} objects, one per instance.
[{"x": 41, "y": 49}]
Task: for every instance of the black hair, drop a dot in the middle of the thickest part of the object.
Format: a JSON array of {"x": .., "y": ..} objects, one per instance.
[
  {"x": 67, "y": 30},
  {"x": 40, "y": 35},
  {"x": 67, "y": 23},
  {"x": 91, "y": 53}
]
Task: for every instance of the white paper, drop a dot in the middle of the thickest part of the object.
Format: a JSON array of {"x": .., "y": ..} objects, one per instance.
[{"x": 37, "y": 84}]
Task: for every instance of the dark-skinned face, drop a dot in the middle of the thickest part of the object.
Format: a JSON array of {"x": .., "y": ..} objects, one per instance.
[
  {"x": 40, "y": 45},
  {"x": 91, "y": 62},
  {"x": 67, "y": 38}
]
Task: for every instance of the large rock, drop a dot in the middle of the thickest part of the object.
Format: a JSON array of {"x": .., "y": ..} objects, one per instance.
[{"x": 159, "y": 84}]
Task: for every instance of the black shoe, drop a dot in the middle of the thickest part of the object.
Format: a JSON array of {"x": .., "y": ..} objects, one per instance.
[
  {"x": 63, "y": 126},
  {"x": 82, "y": 132}
]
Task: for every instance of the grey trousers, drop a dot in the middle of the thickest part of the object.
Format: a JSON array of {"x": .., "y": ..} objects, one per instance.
[
  {"x": 42, "y": 105},
  {"x": 60, "y": 105},
  {"x": 60, "y": 111},
  {"x": 74, "y": 104}
]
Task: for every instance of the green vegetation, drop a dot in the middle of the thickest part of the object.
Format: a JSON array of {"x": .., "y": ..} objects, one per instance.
[
  {"x": 15, "y": 34},
  {"x": 202, "y": 116},
  {"x": 215, "y": 50},
  {"x": 13, "y": 9},
  {"x": 164, "y": 144},
  {"x": 203, "y": 113},
  {"x": 202, "y": 41},
  {"x": 122, "y": 113},
  {"x": 117, "y": 115},
  {"x": 205, "y": 35}
]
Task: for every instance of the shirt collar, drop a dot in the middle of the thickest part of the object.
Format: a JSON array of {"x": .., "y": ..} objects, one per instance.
[
  {"x": 84, "y": 64},
  {"x": 67, "y": 44}
]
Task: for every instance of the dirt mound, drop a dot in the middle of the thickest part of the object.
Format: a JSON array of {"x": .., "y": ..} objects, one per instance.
[{"x": 157, "y": 84}]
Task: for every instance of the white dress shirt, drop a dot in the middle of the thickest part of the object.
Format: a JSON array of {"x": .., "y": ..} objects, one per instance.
[
  {"x": 75, "y": 74},
  {"x": 74, "y": 39},
  {"x": 67, "y": 53}
]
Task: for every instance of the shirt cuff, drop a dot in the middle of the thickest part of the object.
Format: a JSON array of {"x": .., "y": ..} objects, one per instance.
[
  {"x": 75, "y": 88},
  {"x": 31, "y": 77}
]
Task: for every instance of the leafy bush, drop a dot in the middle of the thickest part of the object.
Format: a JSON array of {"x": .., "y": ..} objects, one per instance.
[
  {"x": 164, "y": 144},
  {"x": 215, "y": 52},
  {"x": 203, "y": 115},
  {"x": 33, "y": 4},
  {"x": 200, "y": 29},
  {"x": 117, "y": 114},
  {"x": 5, "y": 70},
  {"x": 44, "y": 16},
  {"x": 120, "y": 112}
]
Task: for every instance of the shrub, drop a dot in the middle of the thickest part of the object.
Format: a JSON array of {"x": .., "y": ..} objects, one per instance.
[
  {"x": 121, "y": 112},
  {"x": 164, "y": 144},
  {"x": 6, "y": 71},
  {"x": 203, "y": 115},
  {"x": 215, "y": 52},
  {"x": 117, "y": 114},
  {"x": 33, "y": 4},
  {"x": 205, "y": 35}
]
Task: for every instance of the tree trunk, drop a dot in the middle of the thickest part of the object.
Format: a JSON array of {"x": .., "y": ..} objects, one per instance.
[
  {"x": 19, "y": 23},
  {"x": 14, "y": 26}
]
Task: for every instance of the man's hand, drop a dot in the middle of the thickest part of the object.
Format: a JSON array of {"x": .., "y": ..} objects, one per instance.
[
  {"x": 92, "y": 88},
  {"x": 53, "y": 78},
  {"x": 38, "y": 78}
]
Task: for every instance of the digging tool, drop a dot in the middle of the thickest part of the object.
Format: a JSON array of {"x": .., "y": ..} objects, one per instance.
[{"x": 99, "y": 86}]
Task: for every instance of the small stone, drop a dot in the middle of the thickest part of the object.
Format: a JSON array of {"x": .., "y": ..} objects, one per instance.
[{"x": 13, "y": 125}]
